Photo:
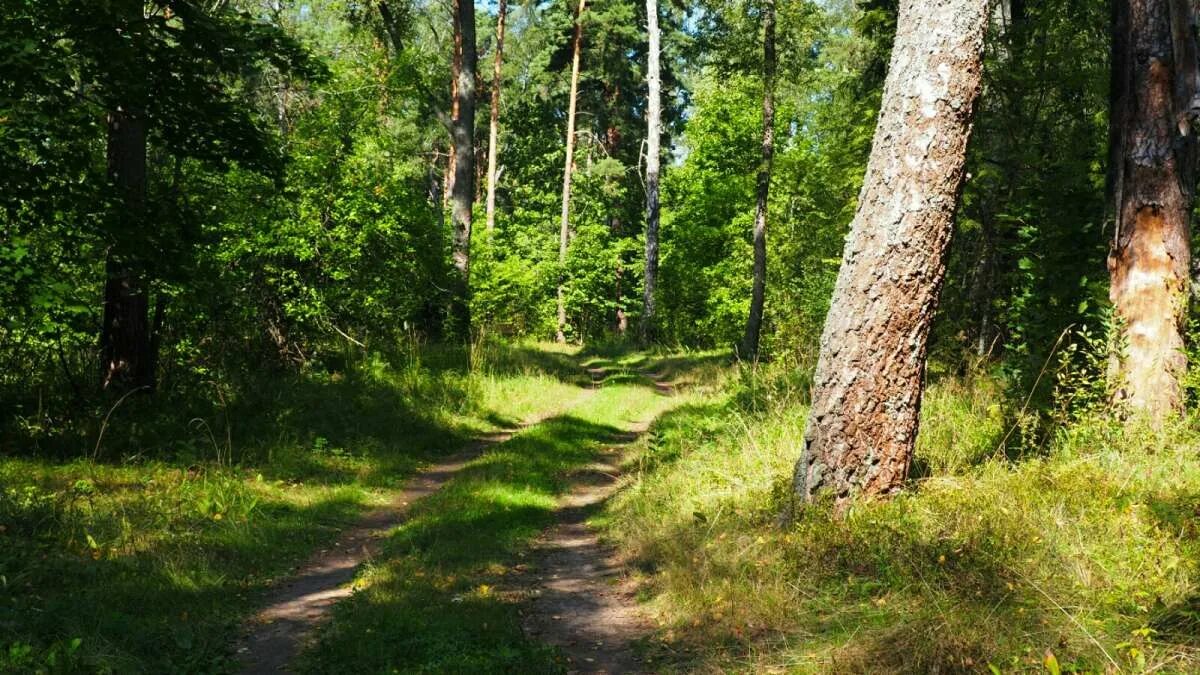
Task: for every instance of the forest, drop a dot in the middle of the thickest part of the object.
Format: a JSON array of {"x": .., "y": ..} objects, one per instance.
[{"x": 599, "y": 336}]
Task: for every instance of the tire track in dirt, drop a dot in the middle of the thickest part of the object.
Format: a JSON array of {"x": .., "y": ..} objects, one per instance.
[
  {"x": 299, "y": 604},
  {"x": 582, "y": 598}
]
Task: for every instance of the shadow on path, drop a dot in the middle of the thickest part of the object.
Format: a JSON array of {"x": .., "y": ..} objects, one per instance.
[
  {"x": 583, "y": 601},
  {"x": 274, "y": 636}
]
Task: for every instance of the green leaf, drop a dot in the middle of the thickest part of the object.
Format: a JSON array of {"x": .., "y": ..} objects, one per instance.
[{"x": 1051, "y": 663}]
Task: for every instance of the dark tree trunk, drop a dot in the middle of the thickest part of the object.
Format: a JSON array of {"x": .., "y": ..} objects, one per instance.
[
  {"x": 462, "y": 192},
  {"x": 1153, "y": 178},
  {"x": 653, "y": 156},
  {"x": 867, "y": 387},
  {"x": 758, "y": 291},
  {"x": 126, "y": 343}
]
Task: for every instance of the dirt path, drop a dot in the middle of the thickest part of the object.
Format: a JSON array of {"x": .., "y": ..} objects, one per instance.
[
  {"x": 582, "y": 598},
  {"x": 297, "y": 606}
]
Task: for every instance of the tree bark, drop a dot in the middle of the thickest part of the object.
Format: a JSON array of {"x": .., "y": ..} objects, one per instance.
[
  {"x": 653, "y": 158},
  {"x": 568, "y": 169},
  {"x": 462, "y": 193},
  {"x": 867, "y": 388},
  {"x": 494, "y": 128},
  {"x": 455, "y": 73},
  {"x": 758, "y": 291},
  {"x": 1153, "y": 153},
  {"x": 126, "y": 344}
]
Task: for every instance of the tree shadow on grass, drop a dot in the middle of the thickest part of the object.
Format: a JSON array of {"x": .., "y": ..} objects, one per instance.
[
  {"x": 1179, "y": 622},
  {"x": 169, "y": 607},
  {"x": 882, "y": 597}
]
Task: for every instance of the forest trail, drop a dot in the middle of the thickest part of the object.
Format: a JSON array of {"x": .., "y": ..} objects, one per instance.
[
  {"x": 583, "y": 602},
  {"x": 299, "y": 604}
]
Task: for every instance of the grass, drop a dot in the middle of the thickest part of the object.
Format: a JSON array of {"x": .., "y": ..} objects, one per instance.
[
  {"x": 445, "y": 596},
  {"x": 1077, "y": 551},
  {"x": 145, "y": 551},
  {"x": 1083, "y": 551}
]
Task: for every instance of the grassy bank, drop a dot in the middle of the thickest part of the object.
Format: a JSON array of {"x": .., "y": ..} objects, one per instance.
[
  {"x": 140, "y": 550},
  {"x": 1081, "y": 553}
]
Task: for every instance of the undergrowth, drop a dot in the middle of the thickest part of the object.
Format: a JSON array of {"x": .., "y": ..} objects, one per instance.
[
  {"x": 1072, "y": 547},
  {"x": 141, "y": 550}
]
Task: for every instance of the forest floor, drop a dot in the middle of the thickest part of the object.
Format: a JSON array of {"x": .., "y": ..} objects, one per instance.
[
  {"x": 300, "y": 603},
  {"x": 391, "y": 516},
  {"x": 635, "y": 527}
]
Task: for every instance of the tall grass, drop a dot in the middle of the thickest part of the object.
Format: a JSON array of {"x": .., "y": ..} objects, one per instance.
[{"x": 1082, "y": 552}]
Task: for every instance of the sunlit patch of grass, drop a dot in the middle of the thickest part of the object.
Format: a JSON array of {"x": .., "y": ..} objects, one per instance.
[
  {"x": 150, "y": 563},
  {"x": 442, "y": 598},
  {"x": 1089, "y": 551}
]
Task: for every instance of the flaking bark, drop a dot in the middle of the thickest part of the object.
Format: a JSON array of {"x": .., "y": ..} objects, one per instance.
[
  {"x": 870, "y": 374},
  {"x": 1153, "y": 155}
]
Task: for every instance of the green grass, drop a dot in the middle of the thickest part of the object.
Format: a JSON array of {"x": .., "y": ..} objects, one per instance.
[
  {"x": 146, "y": 558},
  {"x": 1085, "y": 547},
  {"x": 444, "y": 597}
]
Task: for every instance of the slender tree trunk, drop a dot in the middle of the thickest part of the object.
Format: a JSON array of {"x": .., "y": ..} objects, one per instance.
[
  {"x": 565, "y": 220},
  {"x": 455, "y": 74},
  {"x": 494, "y": 128},
  {"x": 1153, "y": 150},
  {"x": 981, "y": 287},
  {"x": 870, "y": 374},
  {"x": 126, "y": 344},
  {"x": 462, "y": 193},
  {"x": 617, "y": 230},
  {"x": 653, "y": 158},
  {"x": 758, "y": 292}
]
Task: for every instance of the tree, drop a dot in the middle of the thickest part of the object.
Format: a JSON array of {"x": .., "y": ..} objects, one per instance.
[
  {"x": 126, "y": 357},
  {"x": 494, "y": 127},
  {"x": 565, "y": 219},
  {"x": 462, "y": 192},
  {"x": 165, "y": 71},
  {"x": 1153, "y": 92},
  {"x": 867, "y": 387},
  {"x": 653, "y": 156},
  {"x": 749, "y": 348}
]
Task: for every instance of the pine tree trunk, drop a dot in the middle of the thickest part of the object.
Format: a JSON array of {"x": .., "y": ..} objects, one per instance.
[
  {"x": 870, "y": 374},
  {"x": 653, "y": 156},
  {"x": 126, "y": 344},
  {"x": 1153, "y": 151},
  {"x": 749, "y": 348},
  {"x": 494, "y": 128},
  {"x": 565, "y": 220},
  {"x": 462, "y": 193}
]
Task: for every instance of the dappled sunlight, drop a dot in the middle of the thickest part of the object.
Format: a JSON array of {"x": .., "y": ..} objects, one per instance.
[
  {"x": 448, "y": 572},
  {"x": 1085, "y": 549}
]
